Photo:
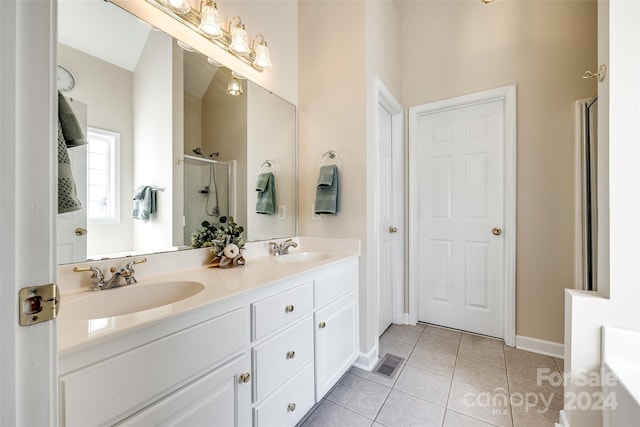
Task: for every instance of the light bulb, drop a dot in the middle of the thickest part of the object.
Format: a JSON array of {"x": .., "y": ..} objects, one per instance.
[
  {"x": 209, "y": 20},
  {"x": 263, "y": 57},
  {"x": 239, "y": 42},
  {"x": 179, "y": 6}
]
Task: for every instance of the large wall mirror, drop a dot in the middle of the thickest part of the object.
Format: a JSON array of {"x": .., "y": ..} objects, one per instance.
[{"x": 160, "y": 115}]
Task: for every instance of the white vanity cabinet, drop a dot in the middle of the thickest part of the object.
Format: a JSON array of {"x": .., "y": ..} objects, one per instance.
[
  {"x": 261, "y": 358},
  {"x": 282, "y": 356},
  {"x": 164, "y": 378},
  {"x": 336, "y": 326}
]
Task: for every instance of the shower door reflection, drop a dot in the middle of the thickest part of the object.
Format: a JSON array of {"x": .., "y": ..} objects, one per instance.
[{"x": 208, "y": 193}]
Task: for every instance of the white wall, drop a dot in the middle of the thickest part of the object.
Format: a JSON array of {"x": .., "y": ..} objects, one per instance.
[
  {"x": 586, "y": 313},
  {"x": 108, "y": 92},
  {"x": 336, "y": 72},
  {"x": 270, "y": 137},
  {"x": 154, "y": 135}
]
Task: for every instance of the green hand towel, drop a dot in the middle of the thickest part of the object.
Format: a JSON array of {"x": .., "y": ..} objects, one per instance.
[
  {"x": 144, "y": 203},
  {"x": 328, "y": 191},
  {"x": 266, "y": 188}
]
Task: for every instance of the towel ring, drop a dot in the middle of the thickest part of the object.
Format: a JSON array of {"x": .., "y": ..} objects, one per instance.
[
  {"x": 267, "y": 165},
  {"x": 331, "y": 157}
]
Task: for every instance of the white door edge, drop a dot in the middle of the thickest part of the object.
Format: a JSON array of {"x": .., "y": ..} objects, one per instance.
[
  {"x": 29, "y": 359},
  {"x": 508, "y": 95},
  {"x": 383, "y": 97}
]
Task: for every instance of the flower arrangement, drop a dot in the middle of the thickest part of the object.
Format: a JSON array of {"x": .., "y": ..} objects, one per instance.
[{"x": 225, "y": 240}]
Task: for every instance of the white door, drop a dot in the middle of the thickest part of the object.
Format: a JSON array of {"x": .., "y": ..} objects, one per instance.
[
  {"x": 389, "y": 187},
  {"x": 28, "y": 360},
  {"x": 72, "y": 226},
  {"x": 386, "y": 227},
  {"x": 460, "y": 178}
]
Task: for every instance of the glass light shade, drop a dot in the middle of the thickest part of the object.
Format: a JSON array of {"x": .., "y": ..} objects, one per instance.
[
  {"x": 263, "y": 57},
  {"x": 209, "y": 21},
  {"x": 234, "y": 86},
  {"x": 239, "y": 42},
  {"x": 179, "y": 6}
]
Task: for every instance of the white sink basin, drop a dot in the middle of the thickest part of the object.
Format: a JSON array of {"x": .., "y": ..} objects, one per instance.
[
  {"x": 126, "y": 300},
  {"x": 298, "y": 257}
]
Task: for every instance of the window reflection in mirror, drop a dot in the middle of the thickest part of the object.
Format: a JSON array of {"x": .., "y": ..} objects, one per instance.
[{"x": 164, "y": 102}]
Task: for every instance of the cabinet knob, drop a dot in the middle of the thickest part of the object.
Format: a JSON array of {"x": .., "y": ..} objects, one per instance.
[
  {"x": 291, "y": 354},
  {"x": 322, "y": 325},
  {"x": 289, "y": 309},
  {"x": 291, "y": 407},
  {"x": 245, "y": 377}
]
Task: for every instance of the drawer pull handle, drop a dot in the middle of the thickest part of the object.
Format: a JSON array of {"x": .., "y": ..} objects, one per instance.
[
  {"x": 289, "y": 309},
  {"x": 245, "y": 377},
  {"x": 322, "y": 325},
  {"x": 291, "y": 354},
  {"x": 291, "y": 407}
]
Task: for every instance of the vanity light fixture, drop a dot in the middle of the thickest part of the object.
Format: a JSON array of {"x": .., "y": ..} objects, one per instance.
[
  {"x": 209, "y": 19},
  {"x": 185, "y": 46},
  {"x": 239, "y": 40},
  {"x": 179, "y": 6},
  {"x": 205, "y": 21},
  {"x": 234, "y": 84},
  {"x": 214, "y": 62},
  {"x": 263, "y": 56}
]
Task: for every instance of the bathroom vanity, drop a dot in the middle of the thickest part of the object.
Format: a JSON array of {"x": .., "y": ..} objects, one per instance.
[{"x": 257, "y": 345}]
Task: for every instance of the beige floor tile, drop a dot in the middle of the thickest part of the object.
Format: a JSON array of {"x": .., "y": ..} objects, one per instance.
[
  {"x": 535, "y": 391},
  {"x": 359, "y": 395},
  {"x": 407, "y": 334},
  {"x": 454, "y": 419},
  {"x": 444, "y": 344},
  {"x": 433, "y": 361},
  {"x": 485, "y": 354},
  {"x": 439, "y": 330},
  {"x": 533, "y": 416},
  {"x": 396, "y": 348},
  {"x": 424, "y": 385},
  {"x": 480, "y": 403},
  {"x": 481, "y": 375},
  {"x": 331, "y": 414},
  {"x": 377, "y": 378},
  {"x": 527, "y": 362},
  {"x": 402, "y": 410},
  {"x": 478, "y": 341}
]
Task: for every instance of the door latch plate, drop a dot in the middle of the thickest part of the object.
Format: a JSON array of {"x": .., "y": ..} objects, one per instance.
[{"x": 38, "y": 304}]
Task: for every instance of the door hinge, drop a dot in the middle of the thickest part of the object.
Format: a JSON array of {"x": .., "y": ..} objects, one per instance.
[{"x": 38, "y": 304}]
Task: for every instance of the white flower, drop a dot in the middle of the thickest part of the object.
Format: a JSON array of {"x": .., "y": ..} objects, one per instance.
[{"x": 231, "y": 250}]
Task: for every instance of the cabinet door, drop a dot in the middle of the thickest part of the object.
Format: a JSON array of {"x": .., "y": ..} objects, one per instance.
[
  {"x": 336, "y": 338},
  {"x": 219, "y": 398}
]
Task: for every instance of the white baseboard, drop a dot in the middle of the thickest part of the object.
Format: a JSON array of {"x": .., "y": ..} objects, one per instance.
[
  {"x": 534, "y": 345},
  {"x": 564, "y": 419},
  {"x": 367, "y": 361}
]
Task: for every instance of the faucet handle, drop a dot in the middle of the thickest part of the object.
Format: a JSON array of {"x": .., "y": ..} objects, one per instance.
[{"x": 97, "y": 274}]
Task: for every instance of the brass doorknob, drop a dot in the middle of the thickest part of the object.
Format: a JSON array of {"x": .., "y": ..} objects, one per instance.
[
  {"x": 393, "y": 229},
  {"x": 245, "y": 377},
  {"x": 81, "y": 231},
  {"x": 496, "y": 231}
]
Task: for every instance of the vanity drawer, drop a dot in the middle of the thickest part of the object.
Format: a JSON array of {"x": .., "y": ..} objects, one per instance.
[
  {"x": 280, "y": 357},
  {"x": 110, "y": 390},
  {"x": 277, "y": 311},
  {"x": 333, "y": 285},
  {"x": 289, "y": 404}
]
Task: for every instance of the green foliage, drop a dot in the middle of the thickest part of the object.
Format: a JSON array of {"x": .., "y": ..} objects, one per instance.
[{"x": 218, "y": 236}]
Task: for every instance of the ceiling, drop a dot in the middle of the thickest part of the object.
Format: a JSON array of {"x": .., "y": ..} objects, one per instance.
[{"x": 105, "y": 31}]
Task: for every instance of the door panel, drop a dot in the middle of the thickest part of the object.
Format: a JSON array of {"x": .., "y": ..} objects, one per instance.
[{"x": 460, "y": 191}]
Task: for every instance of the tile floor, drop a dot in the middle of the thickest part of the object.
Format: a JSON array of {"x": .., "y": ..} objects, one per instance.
[{"x": 449, "y": 379}]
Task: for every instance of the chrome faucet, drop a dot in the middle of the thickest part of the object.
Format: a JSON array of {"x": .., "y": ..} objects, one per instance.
[
  {"x": 118, "y": 278},
  {"x": 282, "y": 248}
]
